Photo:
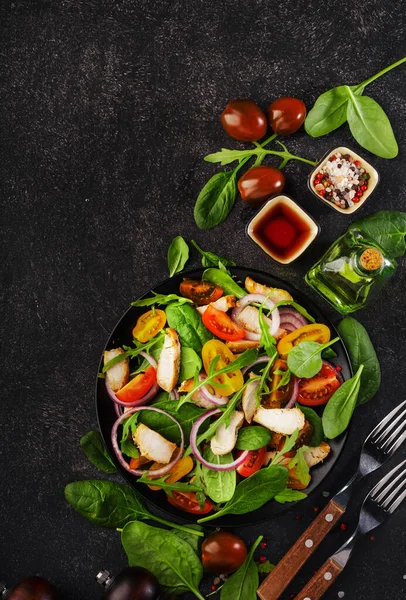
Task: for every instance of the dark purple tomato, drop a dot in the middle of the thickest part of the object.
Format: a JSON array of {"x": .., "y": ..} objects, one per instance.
[
  {"x": 259, "y": 183},
  {"x": 243, "y": 120},
  {"x": 134, "y": 583},
  {"x": 223, "y": 552},
  {"x": 286, "y": 115},
  {"x": 33, "y": 588}
]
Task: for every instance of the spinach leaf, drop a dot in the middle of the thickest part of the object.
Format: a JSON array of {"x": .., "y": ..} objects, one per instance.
[
  {"x": 128, "y": 448},
  {"x": 253, "y": 438},
  {"x": 178, "y": 254},
  {"x": 254, "y": 492},
  {"x": 315, "y": 422},
  {"x": 370, "y": 126},
  {"x": 215, "y": 200},
  {"x": 93, "y": 446},
  {"x": 301, "y": 467},
  {"x": 161, "y": 299},
  {"x": 219, "y": 485},
  {"x": 387, "y": 228},
  {"x": 288, "y": 495},
  {"x": 329, "y": 112},
  {"x": 164, "y": 484},
  {"x": 194, "y": 541},
  {"x": 362, "y": 352},
  {"x": 133, "y": 352},
  {"x": 190, "y": 362},
  {"x": 339, "y": 409},
  {"x": 328, "y": 353},
  {"x": 225, "y": 281},
  {"x": 266, "y": 567},
  {"x": 163, "y": 553},
  {"x": 243, "y": 584},
  {"x": 189, "y": 326},
  {"x": 267, "y": 341},
  {"x": 186, "y": 415},
  {"x": 304, "y": 360},
  {"x": 209, "y": 259}
]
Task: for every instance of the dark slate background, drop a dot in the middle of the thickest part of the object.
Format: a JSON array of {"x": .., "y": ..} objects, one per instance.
[{"x": 107, "y": 109}]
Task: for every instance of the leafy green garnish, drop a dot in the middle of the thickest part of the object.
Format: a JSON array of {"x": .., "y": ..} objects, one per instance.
[
  {"x": 188, "y": 324},
  {"x": 289, "y": 495},
  {"x": 225, "y": 281},
  {"x": 387, "y": 228},
  {"x": 267, "y": 567},
  {"x": 93, "y": 446},
  {"x": 340, "y": 407},
  {"x": 190, "y": 363},
  {"x": 133, "y": 352},
  {"x": 253, "y": 438},
  {"x": 209, "y": 259},
  {"x": 161, "y": 300},
  {"x": 300, "y": 464},
  {"x": 178, "y": 254},
  {"x": 243, "y": 584},
  {"x": 304, "y": 360}
]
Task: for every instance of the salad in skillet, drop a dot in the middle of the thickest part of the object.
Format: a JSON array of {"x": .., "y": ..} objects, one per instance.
[{"x": 219, "y": 397}]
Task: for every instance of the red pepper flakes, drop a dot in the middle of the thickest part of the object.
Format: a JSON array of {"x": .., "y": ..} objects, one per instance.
[
  {"x": 213, "y": 587},
  {"x": 263, "y": 544},
  {"x": 262, "y": 559},
  {"x": 343, "y": 527},
  {"x": 316, "y": 509},
  {"x": 298, "y": 517},
  {"x": 372, "y": 537},
  {"x": 338, "y": 368}
]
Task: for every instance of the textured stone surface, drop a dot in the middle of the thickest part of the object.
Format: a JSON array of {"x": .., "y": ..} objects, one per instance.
[{"x": 107, "y": 108}]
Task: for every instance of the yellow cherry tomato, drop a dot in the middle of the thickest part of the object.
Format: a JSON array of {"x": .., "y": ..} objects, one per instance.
[
  {"x": 148, "y": 325},
  {"x": 315, "y": 332},
  {"x": 233, "y": 380}
]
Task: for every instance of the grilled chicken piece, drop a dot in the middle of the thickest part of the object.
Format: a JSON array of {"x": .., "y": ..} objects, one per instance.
[
  {"x": 249, "y": 400},
  {"x": 241, "y": 345},
  {"x": 274, "y": 294},
  {"x": 249, "y": 319},
  {"x": 226, "y": 437},
  {"x": 281, "y": 420},
  {"x": 169, "y": 361},
  {"x": 118, "y": 374},
  {"x": 313, "y": 457},
  {"x": 152, "y": 445},
  {"x": 224, "y": 304},
  {"x": 197, "y": 398}
]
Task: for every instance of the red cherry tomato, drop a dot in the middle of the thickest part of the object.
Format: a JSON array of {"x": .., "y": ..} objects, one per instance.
[
  {"x": 318, "y": 389},
  {"x": 286, "y": 115},
  {"x": 244, "y": 120},
  {"x": 223, "y": 552},
  {"x": 259, "y": 183},
  {"x": 188, "y": 502},
  {"x": 137, "y": 387},
  {"x": 219, "y": 323},
  {"x": 253, "y": 463},
  {"x": 201, "y": 292}
]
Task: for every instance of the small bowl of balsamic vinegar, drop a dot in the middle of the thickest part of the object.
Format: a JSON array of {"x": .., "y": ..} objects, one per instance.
[{"x": 282, "y": 229}]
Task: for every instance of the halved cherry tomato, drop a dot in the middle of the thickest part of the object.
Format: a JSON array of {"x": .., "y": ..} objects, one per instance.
[
  {"x": 315, "y": 332},
  {"x": 149, "y": 324},
  {"x": 138, "y": 387},
  {"x": 253, "y": 463},
  {"x": 234, "y": 380},
  {"x": 201, "y": 292},
  {"x": 286, "y": 115},
  {"x": 318, "y": 389},
  {"x": 281, "y": 394},
  {"x": 244, "y": 120},
  {"x": 219, "y": 323},
  {"x": 259, "y": 183},
  {"x": 188, "y": 502}
]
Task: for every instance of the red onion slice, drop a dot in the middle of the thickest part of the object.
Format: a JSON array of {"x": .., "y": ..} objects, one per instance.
[
  {"x": 215, "y": 398},
  {"x": 150, "y": 359},
  {"x": 174, "y": 394},
  {"x": 261, "y": 359},
  {"x": 288, "y": 326},
  {"x": 292, "y": 315},
  {"x": 295, "y": 393},
  {"x": 196, "y": 452},
  {"x": 257, "y": 299},
  {"x": 159, "y": 472}
]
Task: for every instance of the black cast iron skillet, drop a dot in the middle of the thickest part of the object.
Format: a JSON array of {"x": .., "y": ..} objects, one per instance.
[{"x": 106, "y": 414}]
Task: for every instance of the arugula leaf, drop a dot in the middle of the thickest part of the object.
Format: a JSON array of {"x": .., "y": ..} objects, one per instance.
[
  {"x": 225, "y": 281},
  {"x": 190, "y": 363},
  {"x": 130, "y": 425},
  {"x": 339, "y": 409},
  {"x": 267, "y": 340},
  {"x": 243, "y": 584},
  {"x": 302, "y": 468},
  {"x": 288, "y": 495},
  {"x": 362, "y": 352},
  {"x": 304, "y": 360},
  {"x": 209, "y": 259},
  {"x": 266, "y": 567},
  {"x": 285, "y": 378},
  {"x": 387, "y": 228},
  {"x": 178, "y": 254},
  {"x": 133, "y": 352},
  {"x": 289, "y": 444},
  {"x": 187, "y": 321},
  {"x": 161, "y": 299},
  {"x": 93, "y": 446},
  {"x": 178, "y": 486},
  {"x": 253, "y": 437}
]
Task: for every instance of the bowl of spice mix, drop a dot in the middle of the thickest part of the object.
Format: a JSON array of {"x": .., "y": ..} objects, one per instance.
[{"x": 343, "y": 180}]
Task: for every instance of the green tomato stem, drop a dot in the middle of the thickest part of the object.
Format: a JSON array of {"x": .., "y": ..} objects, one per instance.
[
  {"x": 176, "y": 526},
  {"x": 260, "y": 158},
  {"x": 371, "y": 79}
]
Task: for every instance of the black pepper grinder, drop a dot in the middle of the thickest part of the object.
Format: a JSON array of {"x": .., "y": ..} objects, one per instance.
[
  {"x": 132, "y": 583},
  {"x": 30, "y": 588}
]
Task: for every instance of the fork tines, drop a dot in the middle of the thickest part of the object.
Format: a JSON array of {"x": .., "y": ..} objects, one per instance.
[
  {"x": 390, "y": 433},
  {"x": 385, "y": 494}
]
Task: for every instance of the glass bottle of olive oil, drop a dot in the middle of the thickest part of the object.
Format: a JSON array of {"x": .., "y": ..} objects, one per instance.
[{"x": 351, "y": 272}]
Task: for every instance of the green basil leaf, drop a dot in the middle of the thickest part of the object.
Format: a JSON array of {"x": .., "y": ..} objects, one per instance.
[
  {"x": 370, "y": 126},
  {"x": 216, "y": 200},
  {"x": 387, "y": 228},
  {"x": 288, "y": 495},
  {"x": 178, "y": 254},
  {"x": 253, "y": 492},
  {"x": 161, "y": 299},
  {"x": 243, "y": 584},
  {"x": 187, "y": 321},
  {"x": 362, "y": 352},
  {"x": 225, "y": 281},
  {"x": 266, "y": 567},
  {"x": 253, "y": 438},
  {"x": 315, "y": 422},
  {"x": 219, "y": 485},
  {"x": 186, "y": 415},
  {"x": 93, "y": 446},
  {"x": 340, "y": 407},
  {"x": 190, "y": 362},
  {"x": 328, "y": 113},
  {"x": 163, "y": 553},
  {"x": 209, "y": 259},
  {"x": 304, "y": 360}
]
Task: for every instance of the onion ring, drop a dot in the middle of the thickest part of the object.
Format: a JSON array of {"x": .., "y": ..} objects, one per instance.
[
  {"x": 295, "y": 393},
  {"x": 213, "y": 398},
  {"x": 261, "y": 359},
  {"x": 258, "y": 299}
]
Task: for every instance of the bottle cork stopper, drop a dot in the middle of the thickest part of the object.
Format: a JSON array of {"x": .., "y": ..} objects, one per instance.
[{"x": 371, "y": 259}]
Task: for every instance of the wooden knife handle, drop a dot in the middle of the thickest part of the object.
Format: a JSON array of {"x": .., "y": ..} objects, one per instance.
[
  {"x": 321, "y": 581},
  {"x": 286, "y": 569}
]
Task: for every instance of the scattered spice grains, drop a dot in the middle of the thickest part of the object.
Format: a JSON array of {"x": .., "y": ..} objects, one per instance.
[
  {"x": 298, "y": 517},
  {"x": 343, "y": 527},
  {"x": 341, "y": 180}
]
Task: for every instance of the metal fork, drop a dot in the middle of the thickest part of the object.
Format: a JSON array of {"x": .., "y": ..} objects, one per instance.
[
  {"x": 379, "y": 504},
  {"x": 383, "y": 441}
]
